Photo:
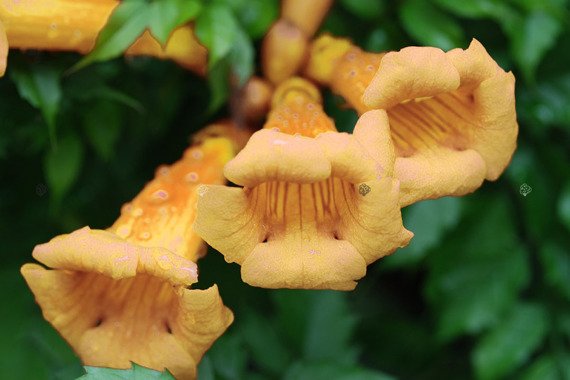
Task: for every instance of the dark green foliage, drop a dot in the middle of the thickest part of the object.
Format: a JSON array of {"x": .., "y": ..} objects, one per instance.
[{"x": 482, "y": 291}]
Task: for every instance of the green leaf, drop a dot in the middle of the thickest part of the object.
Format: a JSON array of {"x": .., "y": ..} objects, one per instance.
[
  {"x": 478, "y": 271},
  {"x": 127, "y": 22},
  {"x": 332, "y": 370},
  {"x": 542, "y": 369},
  {"x": 40, "y": 85},
  {"x": 219, "y": 84},
  {"x": 136, "y": 372},
  {"x": 241, "y": 57},
  {"x": 428, "y": 25},
  {"x": 475, "y": 8},
  {"x": 556, "y": 265},
  {"x": 509, "y": 345},
  {"x": 429, "y": 220},
  {"x": 167, "y": 15},
  {"x": 216, "y": 28},
  {"x": 330, "y": 327},
  {"x": 256, "y": 16},
  {"x": 228, "y": 357},
  {"x": 62, "y": 165},
  {"x": 102, "y": 124},
  {"x": 262, "y": 339},
  {"x": 531, "y": 38},
  {"x": 206, "y": 369},
  {"x": 365, "y": 9},
  {"x": 564, "y": 206}
]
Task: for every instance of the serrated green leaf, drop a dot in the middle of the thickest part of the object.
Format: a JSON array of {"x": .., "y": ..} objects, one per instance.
[
  {"x": 476, "y": 274},
  {"x": 531, "y": 38},
  {"x": 365, "y": 9},
  {"x": 136, "y": 372},
  {"x": 429, "y": 220},
  {"x": 62, "y": 165},
  {"x": 564, "y": 206},
  {"x": 216, "y": 28},
  {"x": 102, "y": 124},
  {"x": 166, "y": 15},
  {"x": 40, "y": 85},
  {"x": 430, "y": 26},
  {"x": 332, "y": 370},
  {"x": 127, "y": 22},
  {"x": 507, "y": 346},
  {"x": 556, "y": 265}
]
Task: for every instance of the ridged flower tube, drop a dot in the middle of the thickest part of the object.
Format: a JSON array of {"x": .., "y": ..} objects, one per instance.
[
  {"x": 73, "y": 25},
  {"x": 316, "y": 205},
  {"x": 452, "y": 115},
  {"x": 123, "y": 294}
]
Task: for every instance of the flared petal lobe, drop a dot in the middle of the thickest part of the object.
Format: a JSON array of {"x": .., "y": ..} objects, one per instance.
[
  {"x": 314, "y": 211},
  {"x": 117, "y": 302},
  {"x": 452, "y": 115}
]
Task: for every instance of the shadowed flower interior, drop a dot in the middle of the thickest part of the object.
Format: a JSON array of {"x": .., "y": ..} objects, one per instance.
[
  {"x": 452, "y": 115},
  {"x": 73, "y": 25},
  {"x": 301, "y": 220},
  {"x": 121, "y": 295}
]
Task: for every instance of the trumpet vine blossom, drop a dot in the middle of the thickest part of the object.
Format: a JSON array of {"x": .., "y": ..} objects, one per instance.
[
  {"x": 316, "y": 205},
  {"x": 123, "y": 294},
  {"x": 452, "y": 115}
]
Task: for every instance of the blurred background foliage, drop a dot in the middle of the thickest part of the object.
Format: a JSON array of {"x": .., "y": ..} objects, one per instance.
[{"x": 482, "y": 291}]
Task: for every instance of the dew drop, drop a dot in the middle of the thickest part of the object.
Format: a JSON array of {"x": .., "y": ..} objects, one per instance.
[
  {"x": 191, "y": 177},
  {"x": 127, "y": 208},
  {"x": 197, "y": 154},
  {"x": 351, "y": 73},
  {"x": 124, "y": 231},
  {"x": 53, "y": 26},
  {"x": 159, "y": 196},
  {"x": 162, "y": 171},
  {"x": 147, "y": 220},
  {"x": 137, "y": 212},
  {"x": 370, "y": 67},
  {"x": 163, "y": 211},
  {"x": 145, "y": 235},
  {"x": 351, "y": 56}
]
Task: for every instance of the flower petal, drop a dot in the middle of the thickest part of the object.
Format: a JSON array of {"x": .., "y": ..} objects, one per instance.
[
  {"x": 284, "y": 51},
  {"x": 473, "y": 64},
  {"x": 440, "y": 173},
  {"x": 413, "y": 72},
  {"x": 307, "y": 15},
  {"x": 276, "y": 156},
  {"x": 373, "y": 132},
  {"x": 374, "y": 226},
  {"x": 314, "y": 263},
  {"x": 225, "y": 219}
]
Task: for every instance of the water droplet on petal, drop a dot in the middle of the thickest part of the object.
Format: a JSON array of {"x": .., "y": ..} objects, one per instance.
[
  {"x": 191, "y": 177},
  {"x": 197, "y": 154},
  {"x": 159, "y": 196},
  {"x": 162, "y": 170},
  {"x": 124, "y": 231},
  {"x": 137, "y": 212},
  {"x": 127, "y": 208},
  {"x": 145, "y": 235}
]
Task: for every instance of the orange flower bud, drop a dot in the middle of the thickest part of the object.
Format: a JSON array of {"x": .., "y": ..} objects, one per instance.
[
  {"x": 306, "y": 14},
  {"x": 3, "y": 49},
  {"x": 283, "y": 52}
]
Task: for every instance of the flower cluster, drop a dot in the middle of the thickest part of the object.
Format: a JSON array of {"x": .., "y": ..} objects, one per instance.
[{"x": 312, "y": 207}]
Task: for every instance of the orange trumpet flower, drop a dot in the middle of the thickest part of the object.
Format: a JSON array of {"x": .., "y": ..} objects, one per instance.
[
  {"x": 123, "y": 294},
  {"x": 452, "y": 115},
  {"x": 316, "y": 205}
]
